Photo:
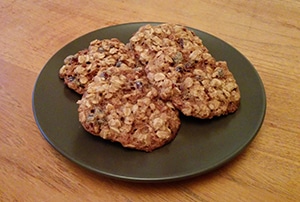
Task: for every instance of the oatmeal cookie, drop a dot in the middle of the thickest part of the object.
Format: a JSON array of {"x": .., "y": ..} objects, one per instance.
[
  {"x": 196, "y": 83},
  {"x": 79, "y": 69},
  {"x": 184, "y": 72},
  {"x": 121, "y": 106},
  {"x": 150, "y": 39}
]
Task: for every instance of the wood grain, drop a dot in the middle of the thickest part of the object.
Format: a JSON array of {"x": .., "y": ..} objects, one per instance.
[{"x": 266, "y": 32}]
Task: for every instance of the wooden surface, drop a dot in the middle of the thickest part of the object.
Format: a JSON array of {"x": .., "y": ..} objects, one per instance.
[{"x": 266, "y": 32}]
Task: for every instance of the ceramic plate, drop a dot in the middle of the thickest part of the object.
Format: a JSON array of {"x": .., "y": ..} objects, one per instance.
[{"x": 200, "y": 146}]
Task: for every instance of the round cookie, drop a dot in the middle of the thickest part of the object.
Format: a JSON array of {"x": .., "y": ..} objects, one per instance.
[
  {"x": 150, "y": 39},
  {"x": 181, "y": 68},
  {"x": 79, "y": 69},
  {"x": 196, "y": 84},
  {"x": 120, "y": 105}
]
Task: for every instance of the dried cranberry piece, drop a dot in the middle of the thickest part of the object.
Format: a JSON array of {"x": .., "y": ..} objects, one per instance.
[
  {"x": 103, "y": 75},
  {"x": 139, "y": 84}
]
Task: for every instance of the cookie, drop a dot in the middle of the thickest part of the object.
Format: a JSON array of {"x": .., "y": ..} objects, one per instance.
[
  {"x": 196, "y": 83},
  {"x": 121, "y": 106},
  {"x": 150, "y": 39},
  {"x": 79, "y": 69},
  {"x": 184, "y": 72}
]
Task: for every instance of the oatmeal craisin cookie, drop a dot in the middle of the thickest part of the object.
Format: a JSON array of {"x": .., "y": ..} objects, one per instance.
[
  {"x": 184, "y": 72},
  {"x": 120, "y": 105},
  {"x": 196, "y": 84},
  {"x": 79, "y": 69},
  {"x": 150, "y": 39}
]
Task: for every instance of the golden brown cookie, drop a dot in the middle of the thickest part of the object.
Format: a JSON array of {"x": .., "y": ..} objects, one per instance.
[
  {"x": 184, "y": 72},
  {"x": 79, "y": 69},
  {"x": 197, "y": 85},
  {"x": 120, "y": 105},
  {"x": 150, "y": 39}
]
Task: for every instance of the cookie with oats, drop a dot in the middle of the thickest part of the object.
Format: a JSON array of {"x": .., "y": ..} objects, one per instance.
[
  {"x": 184, "y": 72},
  {"x": 150, "y": 39},
  {"x": 121, "y": 106},
  {"x": 79, "y": 69},
  {"x": 195, "y": 83}
]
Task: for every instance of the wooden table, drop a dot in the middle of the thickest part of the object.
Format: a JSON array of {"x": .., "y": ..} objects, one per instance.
[{"x": 266, "y": 32}]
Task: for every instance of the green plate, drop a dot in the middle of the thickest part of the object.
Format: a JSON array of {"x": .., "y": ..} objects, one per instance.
[{"x": 200, "y": 146}]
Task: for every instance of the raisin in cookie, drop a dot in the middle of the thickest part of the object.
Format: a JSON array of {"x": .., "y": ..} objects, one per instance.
[
  {"x": 79, "y": 69},
  {"x": 120, "y": 105},
  {"x": 196, "y": 83}
]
